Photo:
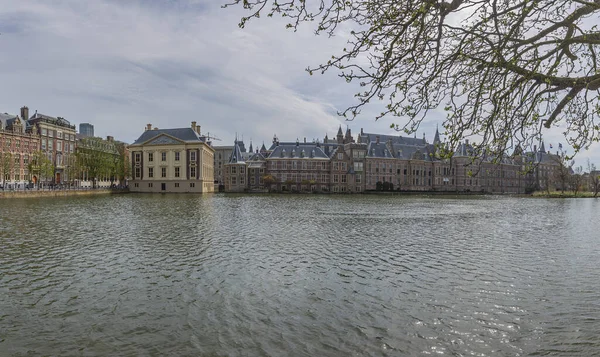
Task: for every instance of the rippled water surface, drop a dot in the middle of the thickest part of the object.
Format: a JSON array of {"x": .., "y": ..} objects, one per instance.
[{"x": 227, "y": 275}]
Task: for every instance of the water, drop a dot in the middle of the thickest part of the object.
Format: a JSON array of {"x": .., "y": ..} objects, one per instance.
[{"x": 227, "y": 275}]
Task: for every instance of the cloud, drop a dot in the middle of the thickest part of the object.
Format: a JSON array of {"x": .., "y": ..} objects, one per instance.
[{"x": 120, "y": 65}]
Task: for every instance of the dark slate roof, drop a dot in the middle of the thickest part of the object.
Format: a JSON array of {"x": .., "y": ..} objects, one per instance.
[
  {"x": 183, "y": 134},
  {"x": 411, "y": 152},
  {"x": 236, "y": 154},
  {"x": 369, "y": 137},
  {"x": 298, "y": 151},
  {"x": 379, "y": 150},
  {"x": 4, "y": 118}
]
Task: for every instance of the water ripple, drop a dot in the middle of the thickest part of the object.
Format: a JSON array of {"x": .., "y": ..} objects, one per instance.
[{"x": 228, "y": 275}]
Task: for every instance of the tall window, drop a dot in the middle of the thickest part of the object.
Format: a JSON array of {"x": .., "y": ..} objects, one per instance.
[
  {"x": 192, "y": 172},
  {"x": 192, "y": 155},
  {"x": 151, "y": 172},
  {"x": 150, "y": 157},
  {"x": 176, "y": 155},
  {"x": 163, "y": 156},
  {"x": 177, "y": 172},
  {"x": 138, "y": 172},
  {"x": 163, "y": 172},
  {"x": 138, "y": 157},
  {"x": 340, "y": 156}
]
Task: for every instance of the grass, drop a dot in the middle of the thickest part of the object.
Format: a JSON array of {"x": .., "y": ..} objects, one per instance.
[{"x": 566, "y": 194}]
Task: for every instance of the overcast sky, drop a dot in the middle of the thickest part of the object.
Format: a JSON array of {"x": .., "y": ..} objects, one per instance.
[{"x": 122, "y": 64}]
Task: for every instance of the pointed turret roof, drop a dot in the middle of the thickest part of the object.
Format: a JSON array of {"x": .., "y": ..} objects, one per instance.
[
  {"x": 542, "y": 147},
  {"x": 436, "y": 138}
]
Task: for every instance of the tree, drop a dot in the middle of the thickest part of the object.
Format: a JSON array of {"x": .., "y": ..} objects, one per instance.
[
  {"x": 40, "y": 165},
  {"x": 502, "y": 70},
  {"x": 564, "y": 168},
  {"x": 594, "y": 178},
  {"x": 6, "y": 166},
  {"x": 268, "y": 181},
  {"x": 577, "y": 180}
]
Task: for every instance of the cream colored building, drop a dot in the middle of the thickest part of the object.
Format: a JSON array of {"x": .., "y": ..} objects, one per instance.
[{"x": 172, "y": 160}]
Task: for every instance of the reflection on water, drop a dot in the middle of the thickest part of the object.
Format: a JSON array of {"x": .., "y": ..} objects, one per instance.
[{"x": 308, "y": 275}]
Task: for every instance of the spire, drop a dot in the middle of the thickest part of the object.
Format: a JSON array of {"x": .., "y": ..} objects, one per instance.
[
  {"x": 542, "y": 147},
  {"x": 436, "y": 138},
  {"x": 251, "y": 146},
  {"x": 263, "y": 148},
  {"x": 340, "y": 131}
]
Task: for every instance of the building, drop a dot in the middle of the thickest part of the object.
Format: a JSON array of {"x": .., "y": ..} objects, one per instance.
[
  {"x": 172, "y": 160},
  {"x": 18, "y": 146},
  {"x": 372, "y": 162},
  {"x": 222, "y": 155},
  {"x": 57, "y": 143},
  {"x": 86, "y": 130}
]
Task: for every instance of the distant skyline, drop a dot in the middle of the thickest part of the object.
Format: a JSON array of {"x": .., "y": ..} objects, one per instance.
[{"x": 121, "y": 65}]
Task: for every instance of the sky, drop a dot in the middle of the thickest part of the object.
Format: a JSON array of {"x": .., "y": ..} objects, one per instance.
[{"x": 120, "y": 65}]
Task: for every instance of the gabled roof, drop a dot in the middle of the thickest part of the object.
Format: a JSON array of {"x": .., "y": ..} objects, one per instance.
[
  {"x": 183, "y": 134},
  {"x": 379, "y": 150},
  {"x": 298, "y": 151},
  {"x": 396, "y": 139},
  {"x": 4, "y": 118},
  {"x": 236, "y": 154}
]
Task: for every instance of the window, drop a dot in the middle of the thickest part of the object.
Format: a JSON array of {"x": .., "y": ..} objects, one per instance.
[
  {"x": 176, "y": 184},
  {"x": 163, "y": 156},
  {"x": 192, "y": 173},
  {"x": 192, "y": 155},
  {"x": 163, "y": 172},
  {"x": 59, "y": 146},
  {"x": 336, "y": 178},
  {"x": 44, "y": 131},
  {"x": 150, "y": 157},
  {"x": 50, "y": 144},
  {"x": 44, "y": 144},
  {"x": 177, "y": 172},
  {"x": 59, "y": 135},
  {"x": 340, "y": 156},
  {"x": 138, "y": 172},
  {"x": 151, "y": 172},
  {"x": 344, "y": 178},
  {"x": 192, "y": 184},
  {"x": 358, "y": 178},
  {"x": 177, "y": 156},
  {"x": 138, "y": 157},
  {"x": 136, "y": 185},
  {"x": 150, "y": 184}
]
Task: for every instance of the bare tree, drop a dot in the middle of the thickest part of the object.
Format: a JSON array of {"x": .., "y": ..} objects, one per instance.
[
  {"x": 502, "y": 70},
  {"x": 594, "y": 178},
  {"x": 564, "y": 169},
  {"x": 577, "y": 180}
]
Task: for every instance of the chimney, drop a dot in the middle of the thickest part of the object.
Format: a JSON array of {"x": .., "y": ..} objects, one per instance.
[
  {"x": 148, "y": 126},
  {"x": 155, "y": 128},
  {"x": 361, "y": 131},
  {"x": 110, "y": 139},
  {"x": 198, "y": 129},
  {"x": 377, "y": 139},
  {"x": 305, "y": 139},
  {"x": 194, "y": 126},
  {"x": 24, "y": 113},
  {"x": 534, "y": 148}
]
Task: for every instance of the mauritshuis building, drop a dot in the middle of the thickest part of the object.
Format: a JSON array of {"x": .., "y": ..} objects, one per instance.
[{"x": 371, "y": 161}]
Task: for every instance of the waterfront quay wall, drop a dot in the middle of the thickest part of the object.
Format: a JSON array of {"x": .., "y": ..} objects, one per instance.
[{"x": 56, "y": 193}]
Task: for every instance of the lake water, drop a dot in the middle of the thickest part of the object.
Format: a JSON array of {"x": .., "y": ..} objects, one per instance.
[{"x": 306, "y": 275}]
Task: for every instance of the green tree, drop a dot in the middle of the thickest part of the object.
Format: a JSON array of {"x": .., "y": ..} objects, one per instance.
[
  {"x": 501, "y": 70},
  {"x": 6, "y": 166},
  {"x": 40, "y": 166}
]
